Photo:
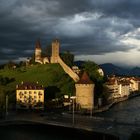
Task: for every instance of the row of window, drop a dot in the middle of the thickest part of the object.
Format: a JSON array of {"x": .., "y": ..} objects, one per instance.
[
  {"x": 29, "y": 101},
  {"x": 25, "y": 92},
  {"x": 25, "y": 97}
]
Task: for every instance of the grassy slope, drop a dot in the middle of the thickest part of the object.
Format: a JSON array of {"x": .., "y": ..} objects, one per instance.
[{"x": 47, "y": 75}]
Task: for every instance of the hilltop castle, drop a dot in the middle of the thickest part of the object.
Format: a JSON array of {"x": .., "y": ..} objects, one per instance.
[
  {"x": 55, "y": 58},
  {"x": 84, "y": 86}
]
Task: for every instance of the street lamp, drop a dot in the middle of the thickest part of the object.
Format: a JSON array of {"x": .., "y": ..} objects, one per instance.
[{"x": 73, "y": 105}]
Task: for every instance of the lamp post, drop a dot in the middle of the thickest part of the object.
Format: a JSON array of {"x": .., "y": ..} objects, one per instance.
[{"x": 73, "y": 109}]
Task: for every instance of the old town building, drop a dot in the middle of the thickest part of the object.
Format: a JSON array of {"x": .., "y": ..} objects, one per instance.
[{"x": 29, "y": 95}]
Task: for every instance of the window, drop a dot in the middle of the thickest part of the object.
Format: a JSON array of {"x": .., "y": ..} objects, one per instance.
[{"x": 39, "y": 93}]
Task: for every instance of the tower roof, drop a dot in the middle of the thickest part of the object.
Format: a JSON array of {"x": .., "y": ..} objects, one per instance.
[
  {"x": 84, "y": 79},
  {"x": 38, "y": 44},
  {"x": 56, "y": 40}
]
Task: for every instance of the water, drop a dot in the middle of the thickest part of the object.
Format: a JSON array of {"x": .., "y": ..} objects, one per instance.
[
  {"x": 47, "y": 132},
  {"x": 127, "y": 111}
]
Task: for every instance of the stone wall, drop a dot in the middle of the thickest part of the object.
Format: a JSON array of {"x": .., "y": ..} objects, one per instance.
[{"x": 85, "y": 95}]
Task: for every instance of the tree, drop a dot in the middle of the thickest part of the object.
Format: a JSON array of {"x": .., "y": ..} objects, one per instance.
[
  {"x": 68, "y": 58},
  {"x": 92, "y": 69}
]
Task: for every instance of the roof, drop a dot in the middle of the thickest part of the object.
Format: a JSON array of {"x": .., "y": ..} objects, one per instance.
[
  {"x": 56, "y": 40},
  {"x": 38, "y": 44},
  {"x": 29, "y": 86},
  {"x": 85, "y": 79}
]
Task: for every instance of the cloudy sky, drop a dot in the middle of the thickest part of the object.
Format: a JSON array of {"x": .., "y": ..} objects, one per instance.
[{"x": 98, "y": 30}]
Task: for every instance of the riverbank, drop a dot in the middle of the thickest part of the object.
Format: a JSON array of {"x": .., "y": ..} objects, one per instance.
[{"x": 116, "y": 101}]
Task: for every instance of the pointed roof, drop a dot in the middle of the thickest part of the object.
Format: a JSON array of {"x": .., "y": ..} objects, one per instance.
[
  {"x": 38, "y": 44},
  {"x": 84, "y": 79}
]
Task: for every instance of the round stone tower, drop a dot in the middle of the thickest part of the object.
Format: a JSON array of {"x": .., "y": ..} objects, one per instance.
[
  {"x": 38, "y": 51},
  {"x": 85, "y": 92},
  {"x": 55, "y": 51}
]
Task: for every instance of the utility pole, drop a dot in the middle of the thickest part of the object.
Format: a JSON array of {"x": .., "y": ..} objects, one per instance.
[{"x": 6, "y": 106}]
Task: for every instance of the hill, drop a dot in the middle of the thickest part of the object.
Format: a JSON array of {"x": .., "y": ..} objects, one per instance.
[{"x": 50, "y": 76}]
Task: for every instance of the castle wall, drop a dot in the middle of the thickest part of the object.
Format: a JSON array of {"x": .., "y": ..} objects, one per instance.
[
  {"x": 68, "y": 70},
  {"x": 85, "y": 95}
]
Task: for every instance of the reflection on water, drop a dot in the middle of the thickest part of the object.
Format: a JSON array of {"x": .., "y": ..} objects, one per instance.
[
  {"x": 47, "y": 132},
  {"x": 124, "y": 111}
]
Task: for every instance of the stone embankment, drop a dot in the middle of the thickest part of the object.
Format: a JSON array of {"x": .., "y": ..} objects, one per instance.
[{"x": 115, "y": 101}]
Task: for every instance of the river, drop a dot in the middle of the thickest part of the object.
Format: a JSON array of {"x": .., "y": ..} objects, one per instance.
[{"x": 127, "y": 111}]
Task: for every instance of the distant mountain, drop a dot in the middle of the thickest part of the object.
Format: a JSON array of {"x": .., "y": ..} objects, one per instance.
[
  {"x": 109, "y": 69},
  {"x": 135, "y": 71}
]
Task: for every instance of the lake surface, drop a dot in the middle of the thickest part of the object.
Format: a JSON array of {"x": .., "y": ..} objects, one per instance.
[{"x": 127, "y": 111}]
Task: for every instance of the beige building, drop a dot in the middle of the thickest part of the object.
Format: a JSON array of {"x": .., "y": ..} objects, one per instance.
[
  {"x": 124, "y": 88},
  {"x": 118, "y": 87},
  {"x": 76, "y": 69},
  {"x": 112, "y": 88},
  {"x": 85, "y": 92},
  {"x": 29, "y": 95},
  {"x": 135, "y": 84}
]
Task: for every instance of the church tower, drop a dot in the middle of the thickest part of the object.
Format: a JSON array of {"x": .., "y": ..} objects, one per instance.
[
  {"x": 55, "y": 51},
  {"x": 38, "y": 51},
  {"x": 85, "y": 92}
]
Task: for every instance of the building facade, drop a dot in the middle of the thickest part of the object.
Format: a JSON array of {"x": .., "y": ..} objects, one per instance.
[
  {"x": 29, "y": 96},
  {"x": 85, "y": 92}
]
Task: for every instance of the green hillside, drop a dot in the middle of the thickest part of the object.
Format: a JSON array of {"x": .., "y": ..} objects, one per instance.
[{"x": 51, "y": 76}]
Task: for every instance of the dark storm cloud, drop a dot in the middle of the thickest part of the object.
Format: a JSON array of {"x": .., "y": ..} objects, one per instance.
[{"x": 83, "y": 27}]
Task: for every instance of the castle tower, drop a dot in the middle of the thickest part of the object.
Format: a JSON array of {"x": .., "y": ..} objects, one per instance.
[
  {"x": 55, "y": 51},
  {"x": 85, "y": 92},
  {"x": 38, "y": 51}
]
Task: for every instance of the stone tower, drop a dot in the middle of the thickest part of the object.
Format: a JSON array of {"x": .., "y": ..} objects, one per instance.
[
  {"x": 85, "y": 92},
  {"x": 38, "y": 51},
  {"x": 55, "y": 51}
]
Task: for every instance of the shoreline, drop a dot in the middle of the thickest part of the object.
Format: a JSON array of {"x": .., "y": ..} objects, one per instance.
[{"x": 116, "y": 101}]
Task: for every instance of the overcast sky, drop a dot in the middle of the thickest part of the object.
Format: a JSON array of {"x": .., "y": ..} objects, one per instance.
[{"x": 98, "y": 30}]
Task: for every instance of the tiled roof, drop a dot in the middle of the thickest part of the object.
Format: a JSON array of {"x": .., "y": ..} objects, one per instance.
[
  {"x": 29, "y": 85},
  {"x": 85, "y": 79}
]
